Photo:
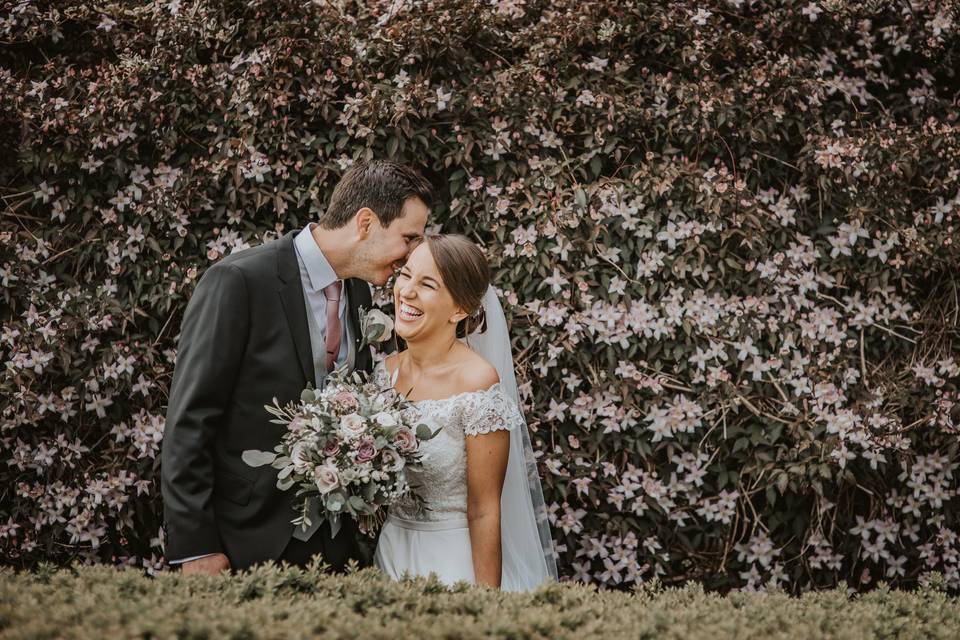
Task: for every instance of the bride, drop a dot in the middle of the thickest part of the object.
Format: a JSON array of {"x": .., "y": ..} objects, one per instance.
[{"x": 484, "y": 520}]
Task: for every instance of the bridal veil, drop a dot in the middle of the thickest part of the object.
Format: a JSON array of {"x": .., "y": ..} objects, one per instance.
[{"x": 527, "y": 547}]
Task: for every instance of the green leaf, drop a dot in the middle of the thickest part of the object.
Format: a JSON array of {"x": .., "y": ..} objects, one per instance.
[
  {"x": 782, "y": 481},
  {"x": 374, "y": 331},
  {"x": 580, "y": 197},
  {"x": 256, "y": 458},
  {"x": 425, "y": 433},
  {"x": 596, "y": 165},
  {"x": 357, "y": 503}
]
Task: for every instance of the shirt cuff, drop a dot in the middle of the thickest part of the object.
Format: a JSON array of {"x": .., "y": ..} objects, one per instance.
[{"x": 182, "y": 560}]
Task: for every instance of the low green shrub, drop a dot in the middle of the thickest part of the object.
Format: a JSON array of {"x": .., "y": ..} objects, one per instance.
[{"x": 271, "y": 602}]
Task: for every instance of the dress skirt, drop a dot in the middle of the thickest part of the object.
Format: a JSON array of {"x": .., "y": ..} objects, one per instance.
[{"x": 417, "y": 547}]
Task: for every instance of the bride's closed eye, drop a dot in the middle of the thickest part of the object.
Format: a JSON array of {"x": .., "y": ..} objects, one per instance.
[{"x": 428, "y": 282}]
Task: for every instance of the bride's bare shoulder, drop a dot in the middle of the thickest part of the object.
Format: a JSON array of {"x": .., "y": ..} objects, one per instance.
[
  {"x": 476, "y": 374},
  {"x": 391, "y": 361}
]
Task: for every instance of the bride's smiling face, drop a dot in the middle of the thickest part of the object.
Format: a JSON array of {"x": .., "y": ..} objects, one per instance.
[{"x": 424, "y": 305}]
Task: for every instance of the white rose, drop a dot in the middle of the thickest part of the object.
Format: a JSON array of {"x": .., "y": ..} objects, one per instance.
[
  {"x": 326, "y": 478},
  {"x": 377, "y": 317},
  {"x": 352, "y": 426},
  {"x": 391, "y": 460},
  {"x": 385, "y": 419}
]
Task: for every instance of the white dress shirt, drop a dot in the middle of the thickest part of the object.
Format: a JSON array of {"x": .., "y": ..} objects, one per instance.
[{"x": 316, "y": 274}]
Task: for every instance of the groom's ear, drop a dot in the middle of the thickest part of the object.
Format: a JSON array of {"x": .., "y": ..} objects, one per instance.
[{"x": 365, "y": 221}]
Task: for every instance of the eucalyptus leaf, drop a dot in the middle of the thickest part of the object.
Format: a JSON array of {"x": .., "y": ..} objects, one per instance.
[
  {"x": 255, "y": 458},
  {"x": 424, "y": 432}
]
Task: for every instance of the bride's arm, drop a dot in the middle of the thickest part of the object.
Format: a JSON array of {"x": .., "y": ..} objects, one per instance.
[{"x": 487, "y": 456}]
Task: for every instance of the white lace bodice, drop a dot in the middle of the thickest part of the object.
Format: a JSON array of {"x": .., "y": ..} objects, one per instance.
[{"x": 442, "y": 480}]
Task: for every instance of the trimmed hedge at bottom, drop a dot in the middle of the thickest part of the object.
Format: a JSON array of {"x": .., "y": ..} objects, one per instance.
[{"x": 101, "y": 601}]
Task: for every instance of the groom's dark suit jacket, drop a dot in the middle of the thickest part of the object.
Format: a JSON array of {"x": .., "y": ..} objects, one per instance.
[{"x": 244, "y": 341}]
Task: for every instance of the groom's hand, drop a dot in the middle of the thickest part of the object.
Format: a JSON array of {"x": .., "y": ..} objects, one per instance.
[{"x": 207, "y": 566}]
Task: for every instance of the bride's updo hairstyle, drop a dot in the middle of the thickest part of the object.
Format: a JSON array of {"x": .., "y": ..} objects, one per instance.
[{"x": 465, "y": 273}]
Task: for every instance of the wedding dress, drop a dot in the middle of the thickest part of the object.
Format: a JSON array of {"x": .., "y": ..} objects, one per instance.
[{"x": 437, "y": 539}]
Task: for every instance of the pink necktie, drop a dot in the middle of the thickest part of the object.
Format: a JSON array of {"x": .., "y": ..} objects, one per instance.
[{"x": 332, "y": 294}]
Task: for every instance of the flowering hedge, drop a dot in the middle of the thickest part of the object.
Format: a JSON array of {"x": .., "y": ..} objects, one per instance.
[
  {"x": 726, "y": 232},
  {"x": 271, "y": 603}
]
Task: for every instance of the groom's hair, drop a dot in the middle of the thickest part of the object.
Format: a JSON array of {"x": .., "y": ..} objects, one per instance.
[{"x": 379, "y": 185}]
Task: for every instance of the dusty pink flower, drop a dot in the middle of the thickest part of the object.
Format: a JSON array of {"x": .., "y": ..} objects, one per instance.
[
  {"x": 344, "y": 403},
  {"x": 332, "y": 447},
  {"x": 405, "y": 440},
  {"x": 366, "y": 451}
]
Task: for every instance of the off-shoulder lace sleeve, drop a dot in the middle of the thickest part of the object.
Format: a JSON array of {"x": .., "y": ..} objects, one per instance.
[{"x": 490, "y": 410}]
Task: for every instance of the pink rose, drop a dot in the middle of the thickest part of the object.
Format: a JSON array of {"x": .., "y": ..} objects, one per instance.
[
  {"x": 332, "y": 447},
  {"x": 344, "y": 402},
  {"x": 366, "y": 451},
  {"x": 405, "y": 440}
]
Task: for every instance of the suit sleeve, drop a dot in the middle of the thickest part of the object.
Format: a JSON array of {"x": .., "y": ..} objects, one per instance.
[{"x": 213, "y": 337}]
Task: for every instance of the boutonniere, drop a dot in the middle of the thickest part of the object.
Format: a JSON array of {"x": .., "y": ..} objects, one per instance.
[{"x": 375, "y": 326}]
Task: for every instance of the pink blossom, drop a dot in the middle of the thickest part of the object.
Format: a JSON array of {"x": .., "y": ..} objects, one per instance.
[{"x": 366, "y": 451}]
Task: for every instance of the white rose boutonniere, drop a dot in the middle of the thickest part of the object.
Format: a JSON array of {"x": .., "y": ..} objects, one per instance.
[{"x": 375, "y": 326}]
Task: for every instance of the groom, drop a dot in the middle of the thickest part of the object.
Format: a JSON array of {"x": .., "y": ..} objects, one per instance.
[{"x": 261, "y": 324}]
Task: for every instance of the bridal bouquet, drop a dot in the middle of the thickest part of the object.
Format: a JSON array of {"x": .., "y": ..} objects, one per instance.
[{"x": 346, "y": 449}]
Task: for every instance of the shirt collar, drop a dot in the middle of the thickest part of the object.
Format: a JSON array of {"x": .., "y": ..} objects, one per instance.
[{"x": 319, "y": 271}]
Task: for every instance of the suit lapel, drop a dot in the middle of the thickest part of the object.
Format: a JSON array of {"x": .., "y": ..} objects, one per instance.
[{"x": 294, "y": 305}]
